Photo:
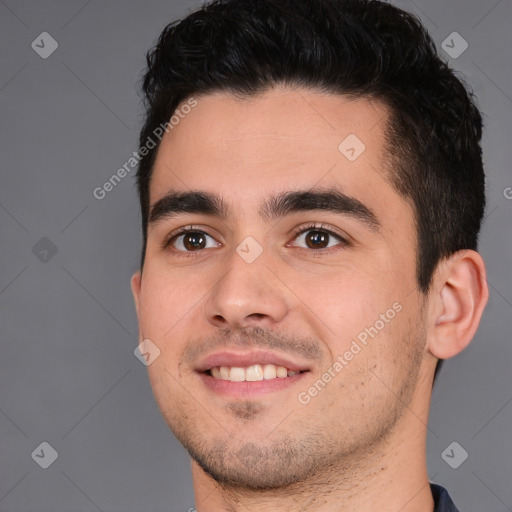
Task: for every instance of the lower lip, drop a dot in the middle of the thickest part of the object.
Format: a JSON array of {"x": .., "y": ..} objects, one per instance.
[{"x": 249, "y": 389}]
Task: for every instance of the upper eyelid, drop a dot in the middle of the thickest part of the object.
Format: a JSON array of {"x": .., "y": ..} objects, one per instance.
[
  {"x": 191, "y": 228},
  {"x": 296, "y": 233},
  {"x": 320, "y": 227},
  {"x": 183, "y": 230}
]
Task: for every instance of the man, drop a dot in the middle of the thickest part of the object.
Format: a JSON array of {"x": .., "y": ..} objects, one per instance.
[{"x": 311, "y": 190}]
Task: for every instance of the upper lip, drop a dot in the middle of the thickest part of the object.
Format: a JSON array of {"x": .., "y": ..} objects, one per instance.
[{"x": 239, "y": 359}]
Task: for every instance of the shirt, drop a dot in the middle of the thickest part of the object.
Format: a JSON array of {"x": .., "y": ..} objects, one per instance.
[{"x": 442, "y": 500}]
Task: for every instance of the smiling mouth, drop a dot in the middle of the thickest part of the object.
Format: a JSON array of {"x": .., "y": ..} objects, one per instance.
[{"x": 252, "y": 373}]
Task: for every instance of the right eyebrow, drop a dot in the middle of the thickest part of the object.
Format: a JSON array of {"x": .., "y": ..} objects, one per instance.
[{"x": 174, "y": 203}]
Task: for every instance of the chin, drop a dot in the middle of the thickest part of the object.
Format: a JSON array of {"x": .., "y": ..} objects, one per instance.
[{"x": 254, "y": 467}]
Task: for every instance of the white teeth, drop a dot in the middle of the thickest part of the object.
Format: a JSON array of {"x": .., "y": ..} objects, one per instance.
[
  {"x": 251, "y": 373},
  {"x": 281, "y": 372},
  {"x": 236, "y": 374},
  {"x": 269, "y": 371},
  {"x": 224, "y": 372}
]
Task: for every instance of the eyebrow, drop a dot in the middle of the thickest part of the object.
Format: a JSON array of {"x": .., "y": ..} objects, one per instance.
[
  {"x": 330, "y": 199},
  {"x": 275, "y": 207},
  {"x": 175, "y": 203}
]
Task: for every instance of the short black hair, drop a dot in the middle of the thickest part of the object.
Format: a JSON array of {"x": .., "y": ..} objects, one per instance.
[{"x": 358, "y": 48}]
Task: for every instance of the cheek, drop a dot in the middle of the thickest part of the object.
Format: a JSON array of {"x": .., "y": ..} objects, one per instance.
[
  {"x": 379, "y": 361},
  {"x": 363, "y": 321},
  {"x": 166, "y": 301},
  {"x": 347, "y": 300}
]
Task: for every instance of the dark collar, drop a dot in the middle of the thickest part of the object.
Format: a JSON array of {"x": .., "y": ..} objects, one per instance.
[{"x": 442, "y": 500}]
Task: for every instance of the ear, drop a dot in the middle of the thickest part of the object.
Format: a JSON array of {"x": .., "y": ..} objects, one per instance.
[
  {"x": 460, "y": 293},
  {"x": 136, "y": 284}
]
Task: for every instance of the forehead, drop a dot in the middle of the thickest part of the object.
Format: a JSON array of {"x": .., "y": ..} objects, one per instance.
[{"x": 284, "y": 139}]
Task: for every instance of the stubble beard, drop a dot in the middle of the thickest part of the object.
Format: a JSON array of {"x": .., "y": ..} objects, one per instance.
[
  {"x": 308, "y": 457},
  {"x": 285, "y": 461}
]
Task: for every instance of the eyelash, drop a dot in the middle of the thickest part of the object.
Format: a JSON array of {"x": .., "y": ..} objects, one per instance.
[
  {"x": 299, "y": 231},
  {"x": 320, "y": 227},
  {"x": 183, "y": 231}
]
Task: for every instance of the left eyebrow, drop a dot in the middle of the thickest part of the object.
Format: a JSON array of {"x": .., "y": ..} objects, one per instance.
[{"x": 330, "y": 199}]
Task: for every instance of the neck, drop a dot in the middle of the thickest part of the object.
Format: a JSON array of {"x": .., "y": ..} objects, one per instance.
[{"x": 389, "y": 477}]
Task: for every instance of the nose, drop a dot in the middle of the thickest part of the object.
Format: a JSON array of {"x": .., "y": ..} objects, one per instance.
[{"x": 248, "y": 294}]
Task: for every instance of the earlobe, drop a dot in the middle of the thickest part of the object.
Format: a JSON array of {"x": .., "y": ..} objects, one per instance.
[{"x": 460, "y": 298}]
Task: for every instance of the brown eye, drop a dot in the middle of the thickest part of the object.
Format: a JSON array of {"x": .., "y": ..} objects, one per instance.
[
  {"x": 316, "y": 238},
  {"x": 191, "y": 241}
]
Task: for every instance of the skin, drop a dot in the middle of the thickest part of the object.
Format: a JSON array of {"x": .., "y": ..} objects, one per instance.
[{"x": 359, "y": 444}]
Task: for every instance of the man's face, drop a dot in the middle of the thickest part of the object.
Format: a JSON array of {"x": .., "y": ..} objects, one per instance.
[{"x": 285, "y": 280}]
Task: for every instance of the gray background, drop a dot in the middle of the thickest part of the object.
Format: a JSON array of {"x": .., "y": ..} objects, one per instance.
[{"x": 68, "y": 375}]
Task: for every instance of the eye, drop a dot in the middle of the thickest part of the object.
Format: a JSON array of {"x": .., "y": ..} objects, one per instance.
[
  {"x": 315, "y": 237},
  {"x": 191, "y": 240}
]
